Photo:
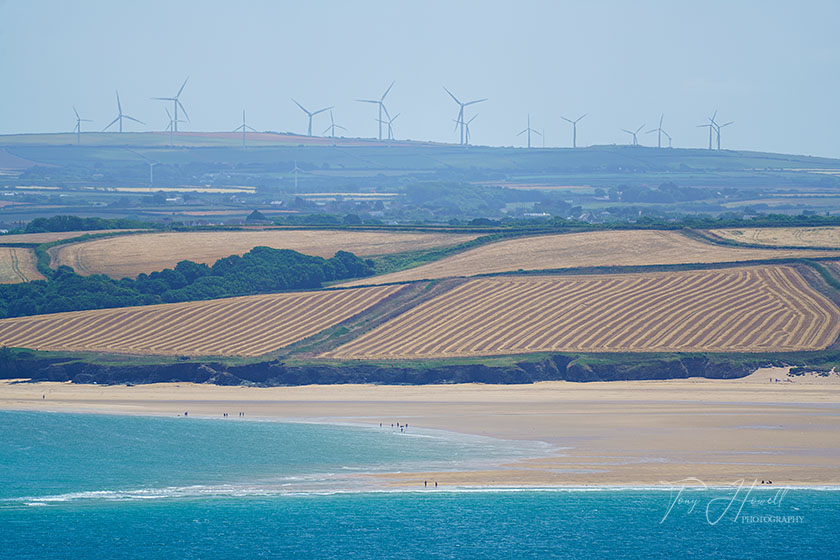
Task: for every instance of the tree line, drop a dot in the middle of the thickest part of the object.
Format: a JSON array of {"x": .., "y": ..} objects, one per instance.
[{"x": 261, "y": 270}]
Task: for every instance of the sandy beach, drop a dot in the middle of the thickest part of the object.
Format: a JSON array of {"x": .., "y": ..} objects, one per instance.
[{"x": 616, "y": 433}]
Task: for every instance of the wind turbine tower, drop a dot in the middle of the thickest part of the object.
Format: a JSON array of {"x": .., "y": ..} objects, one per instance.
[
  {"x": 78, "y": 129},
  {"x": 460, "y": 121},
  {"x": 332, "y": 127},
  {"x": 243, "y": 127},
  {"x": 176, "y": 102},
  {"x": 296, "y": 170},
  {"x": 467, "y": 135},
  {"x": 120, "y": 116},
  {"x": 171, "y": 127},
  {"x": 381, "y": 103},
  {"x": 311, "y": 114},
  {"x": 634, "y": 134},
  {"x": 529, "y": 130},
  {"x": 574, "y": 128},
  {"x": 390, "y": 123},
  {"x": 712, "y": 125},
  {"x": 717, "y": 130},
  {"x": 660, "y": 132}
]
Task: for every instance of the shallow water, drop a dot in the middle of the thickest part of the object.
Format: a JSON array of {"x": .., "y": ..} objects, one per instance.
[{"x": 96, "y": 486}]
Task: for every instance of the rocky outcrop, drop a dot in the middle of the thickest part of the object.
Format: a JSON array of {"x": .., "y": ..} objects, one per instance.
[{"x": 276, "y": 373}]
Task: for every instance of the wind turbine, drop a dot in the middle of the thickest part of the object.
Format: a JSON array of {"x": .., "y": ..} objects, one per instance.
[
  {"x": 390, "y": 123},
  {"x": 120, "y": 116},
  {"x": 332, "y": 127},
  {"x": 243, "y": 127},
  {"x": 296, "y": 170},
  {"x": 467, "y": 128},
  {"x": 711, "y": 125},
  {"x": 462, "y": 106},
  {"x": 78, "y": 129},
  {"x": 151, "y": 163},
  {"x": 668, "y": 136},
  {"x": 311, "y": 114},
  {"x": 634, "y": 134},
  {"x": 659, "y": 130},
  {"x": 176, "y": 102},
  {"x": 381, "y": 103},
  {"x": 529, "y": 130},
  {"x": 171, "y": 127},
  {"x": 717, "y": 129},
  {"x": 574, "y": 128}
]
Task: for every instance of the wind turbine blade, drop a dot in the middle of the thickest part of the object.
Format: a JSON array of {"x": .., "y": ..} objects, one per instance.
[
  {"x": 341, "y": 127},
  {"x": 168, "y": 114},
  {"x": 367, "y": 101},
  {"x": 640, "y": 128},
  {"x": 651, "y": 130},
  {"x": 119, "y": 107},
  {"x": 177, "y": 95},
  {"x": 538, "y": 133},
  {"x": 384, "y": 108},
  {"x": 182, "y": 109},
  {"x": 660, "y": 120},
  {"x": 452, "y": 95},
  {"x": 394, "y": 118},
  {"x": 110, "y": 124},
  {"x": 469, "y": 121},
  {"x": 301, "y": 107},
  {"x": 327, "y": 129},
  {"x": 581, "y": 117},
  {"x": 567, "y": 120},
  {"x": 133, "y": 119},
  {"x": 322, "y": 110},
  {"x": 473, "y": 102},
  {"x": 86, "y": 120},
  {"x": 251, "y": 129},
  {"x": 627, "y": 131},
  {"x": 523, "y": 132},
  {"x": 163, "y": 98},
  {"x": 77, "y": 113},
  {"x": 238, "y": 128},
  {"x": 387, "y": 90},
  {"x": 727, "y": 124}
]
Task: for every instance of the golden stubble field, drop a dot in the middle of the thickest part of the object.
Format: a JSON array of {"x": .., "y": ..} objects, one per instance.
[
  {"x": 241, "y": 326},
  {"x": 572, "y": 250},
  {"x": 128, "y": 256},
  {"x": 17, "y": 264},
  {"x": 785, "y": 236},
  {"x": 748, "y": 309},
  {"x": 49, "y": 236}
]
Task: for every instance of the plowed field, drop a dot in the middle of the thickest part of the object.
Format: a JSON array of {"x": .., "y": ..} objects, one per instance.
[
  {"x": 244, "y": 326},
  {"x": 746, "y": 309}
]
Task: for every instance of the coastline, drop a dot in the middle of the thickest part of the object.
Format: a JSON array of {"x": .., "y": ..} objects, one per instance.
[{"x": 611, "y": 434}]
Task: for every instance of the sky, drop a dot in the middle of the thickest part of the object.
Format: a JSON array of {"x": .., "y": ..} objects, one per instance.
[{"x": 769, "y": 66}]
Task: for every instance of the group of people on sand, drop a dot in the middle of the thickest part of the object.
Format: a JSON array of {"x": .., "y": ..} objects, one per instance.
[
  {"x": 426, "y": 484},
  {"x": 767, "y": 482},
  {"x": 401, "y": 427},
  {"x": 227, "y": 415}
]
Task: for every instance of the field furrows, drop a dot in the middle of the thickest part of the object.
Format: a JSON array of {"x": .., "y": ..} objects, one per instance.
[
  {"x": 589, "y": 249},
  {"x": 245, "y": 326},
  {"x": 17, "y": 265},
  {"x": 746, "y": 309},
  {"x": 827, "y": 236}
]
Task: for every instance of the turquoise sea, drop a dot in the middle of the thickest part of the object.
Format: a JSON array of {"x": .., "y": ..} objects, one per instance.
[{"x": 98, "y": 486}]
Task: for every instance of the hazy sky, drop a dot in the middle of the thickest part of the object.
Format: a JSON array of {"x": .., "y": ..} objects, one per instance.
[{"x": 772, "y": 67}]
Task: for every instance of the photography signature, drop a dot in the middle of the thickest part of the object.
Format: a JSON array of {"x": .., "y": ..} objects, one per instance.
[{"x": 689, "y": 494}]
